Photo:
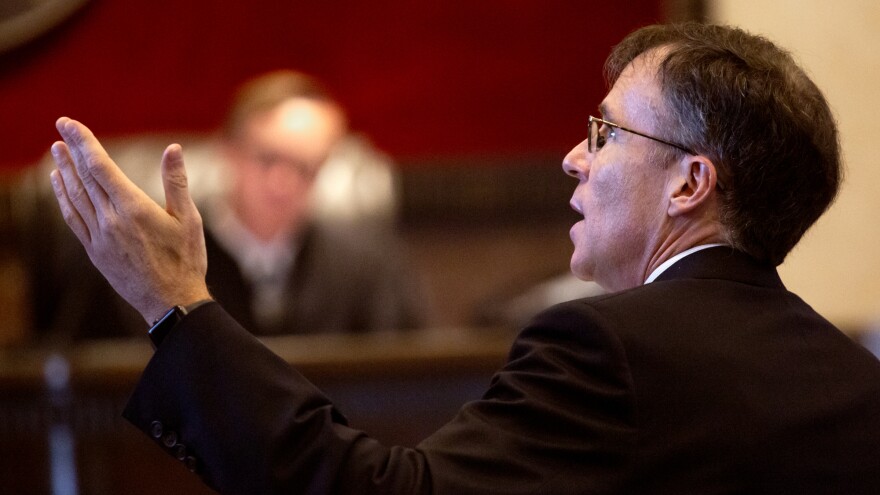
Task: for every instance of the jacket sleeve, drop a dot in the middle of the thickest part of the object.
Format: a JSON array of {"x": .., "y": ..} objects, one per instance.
[
  {"x": 241, "y": 418},
  {"x": 554, "y": 420}
]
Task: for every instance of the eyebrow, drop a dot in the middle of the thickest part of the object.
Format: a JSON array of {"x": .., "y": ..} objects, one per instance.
[{"x": 606, "y": 113}]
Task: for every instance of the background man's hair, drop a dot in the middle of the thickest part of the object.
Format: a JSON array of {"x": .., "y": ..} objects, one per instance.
[
  {"x": 265, "y": 92},
  {"x": 744, "y": 102}
]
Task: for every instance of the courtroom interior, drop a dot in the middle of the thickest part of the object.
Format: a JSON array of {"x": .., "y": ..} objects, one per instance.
[{"x": 457, "y": 116}]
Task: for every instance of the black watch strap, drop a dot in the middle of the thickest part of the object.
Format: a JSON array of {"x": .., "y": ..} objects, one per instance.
[{"x": 162, "y": 327}]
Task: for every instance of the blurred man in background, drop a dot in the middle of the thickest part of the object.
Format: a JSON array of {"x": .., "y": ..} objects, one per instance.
[{"x": 272, "y": 263}]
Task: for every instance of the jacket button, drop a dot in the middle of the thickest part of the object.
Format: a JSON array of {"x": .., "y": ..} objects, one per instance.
[
  {"x": 191, "y": 463},
  {"x": 180, "y": 452},
  {"x": 156, "y": 429},
  {"x": 170, "y": 439}
]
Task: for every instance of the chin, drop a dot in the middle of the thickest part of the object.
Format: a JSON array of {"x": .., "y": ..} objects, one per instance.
[{"x": 579, "y": 270}]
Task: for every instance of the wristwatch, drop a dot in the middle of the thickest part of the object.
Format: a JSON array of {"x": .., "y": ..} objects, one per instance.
[{"x": 163, "y": 325}]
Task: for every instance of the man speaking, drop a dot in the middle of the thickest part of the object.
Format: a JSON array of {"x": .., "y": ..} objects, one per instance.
[{"x": 699, "y": 372}]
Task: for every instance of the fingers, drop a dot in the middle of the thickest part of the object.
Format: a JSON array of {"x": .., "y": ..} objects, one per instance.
[
  {"x": 75, "y": 203},
  {"x": 87, "y": 157},
  {"x": 178, "y": 202},
  {"x": 103, "y": 180},
  {"x": 68, "y": 211}
]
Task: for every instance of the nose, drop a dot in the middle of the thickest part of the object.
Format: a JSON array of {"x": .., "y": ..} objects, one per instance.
[
  {"x": 575, "y": 163},
  {"x": 281, "y": 180}
]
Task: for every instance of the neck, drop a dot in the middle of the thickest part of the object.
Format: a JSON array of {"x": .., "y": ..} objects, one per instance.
[{"x": 678, "y": 240}]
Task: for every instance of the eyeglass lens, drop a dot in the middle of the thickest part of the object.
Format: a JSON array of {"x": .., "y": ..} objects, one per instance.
[{"x": 596, "y": 140}]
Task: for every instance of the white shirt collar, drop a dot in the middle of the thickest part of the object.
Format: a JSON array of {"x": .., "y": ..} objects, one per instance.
[
  {"x": 258, "y": 260},
  {"x": 671, "y": 261}
]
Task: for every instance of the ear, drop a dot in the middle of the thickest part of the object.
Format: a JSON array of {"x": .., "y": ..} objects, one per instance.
[{"x": 691, "y": 184}]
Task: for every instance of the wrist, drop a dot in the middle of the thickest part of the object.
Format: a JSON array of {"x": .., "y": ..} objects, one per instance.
[
  {"x": 163, "y": 301},
  {"x": 163, "y": 325}
]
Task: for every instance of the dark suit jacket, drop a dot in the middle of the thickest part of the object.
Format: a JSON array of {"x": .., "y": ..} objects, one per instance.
[{"x": 713, "y": 379}]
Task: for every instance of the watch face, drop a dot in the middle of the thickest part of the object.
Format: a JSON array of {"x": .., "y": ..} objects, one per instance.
[
  {"x": 163, "y": 325},
  {"x": 24, "y": 20}
]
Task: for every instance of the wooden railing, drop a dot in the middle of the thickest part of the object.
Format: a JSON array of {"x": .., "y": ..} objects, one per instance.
[{"x": 398, "y": 387}]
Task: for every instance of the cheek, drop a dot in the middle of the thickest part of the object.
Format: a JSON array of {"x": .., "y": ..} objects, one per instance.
[
  {"x": 614, "y": 220},
  {"x": 248, "y": 180},
  {"x": 607, "y": 193}
]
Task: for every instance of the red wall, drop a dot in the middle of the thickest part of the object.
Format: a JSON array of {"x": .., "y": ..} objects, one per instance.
[{"x": 423, "y": 79}]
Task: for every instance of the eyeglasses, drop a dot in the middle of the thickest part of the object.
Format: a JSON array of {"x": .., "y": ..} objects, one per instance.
[
  {"x": 596, "y": 140},
  {"x": 267, "y": 159}
]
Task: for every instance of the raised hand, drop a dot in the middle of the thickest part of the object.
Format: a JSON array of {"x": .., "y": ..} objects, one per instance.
[{"x": 153, "y": 257}]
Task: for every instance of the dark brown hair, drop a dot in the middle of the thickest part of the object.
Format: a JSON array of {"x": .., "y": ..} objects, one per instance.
[{"x": 744, "y": 103}]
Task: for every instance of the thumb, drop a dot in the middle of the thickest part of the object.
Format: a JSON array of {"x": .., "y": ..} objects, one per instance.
[{"x": 177, "y": 199}]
